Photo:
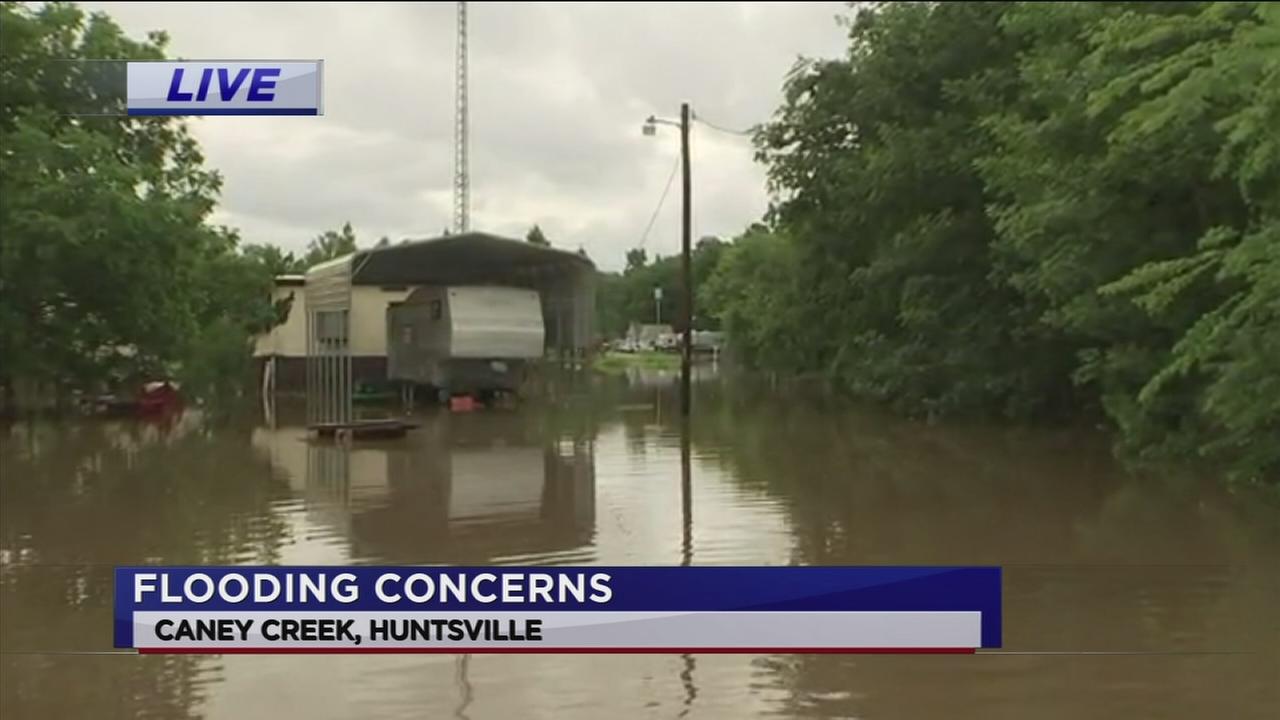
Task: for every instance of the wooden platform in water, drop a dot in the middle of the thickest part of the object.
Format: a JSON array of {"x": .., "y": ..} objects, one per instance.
[{"x": 379, "y": 429}]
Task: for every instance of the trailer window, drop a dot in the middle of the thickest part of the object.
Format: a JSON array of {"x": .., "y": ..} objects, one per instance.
[{"x": 435, "y": 309}]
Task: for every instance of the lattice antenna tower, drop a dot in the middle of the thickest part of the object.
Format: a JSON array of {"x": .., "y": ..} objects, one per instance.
[{"x": 461, "y": 172}]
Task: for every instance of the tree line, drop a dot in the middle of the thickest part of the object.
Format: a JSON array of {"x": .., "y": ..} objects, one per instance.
[
  {"x": 650, "y": 290},
  {"x": 110, "y": 267},
  {"x": 1028, "y": 210},
  {"x": 1034, "y": 211}
]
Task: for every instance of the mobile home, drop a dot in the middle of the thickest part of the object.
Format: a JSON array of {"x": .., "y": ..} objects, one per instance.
[
  {"x": 281, "y": 352},
  {"x": 554, "y": 316},
  {"x": 465, "y": 339}
]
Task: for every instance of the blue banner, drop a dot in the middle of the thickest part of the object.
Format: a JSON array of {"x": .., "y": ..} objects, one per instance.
[
  {"x": 621, "y": 590},
  {"x": 225, "y": 87}
]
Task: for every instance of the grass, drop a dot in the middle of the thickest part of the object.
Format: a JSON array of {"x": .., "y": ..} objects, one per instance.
[{"x": 616, "y": 362}]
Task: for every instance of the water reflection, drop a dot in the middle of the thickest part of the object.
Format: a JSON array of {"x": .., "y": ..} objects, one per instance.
[
  {"x": 1095, "y": 559},
  {"x": 465, "y": 691},
  {"x": 686, "y": 551},
  {"x": 80, "y": 499},
  {"x": 459, "y": 490}
]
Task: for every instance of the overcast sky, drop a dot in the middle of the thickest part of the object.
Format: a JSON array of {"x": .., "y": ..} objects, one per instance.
[{"x": 558, "y": 93}]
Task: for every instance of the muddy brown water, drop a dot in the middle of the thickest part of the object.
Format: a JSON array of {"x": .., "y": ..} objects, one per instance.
[{"x": 1126, "y": 595}]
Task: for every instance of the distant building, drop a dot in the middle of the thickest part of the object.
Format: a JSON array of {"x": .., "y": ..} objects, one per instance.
[
  {"x": 286, "y": 343},
  {"x": 708, "y": 341},
  {"x": 646, "y": 336}
]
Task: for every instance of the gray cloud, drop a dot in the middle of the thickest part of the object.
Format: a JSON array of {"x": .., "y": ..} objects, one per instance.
[{"x": 558, "y": 92}]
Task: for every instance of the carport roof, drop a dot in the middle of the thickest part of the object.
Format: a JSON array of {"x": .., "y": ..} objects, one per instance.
[{"x": 454, "y": 259}]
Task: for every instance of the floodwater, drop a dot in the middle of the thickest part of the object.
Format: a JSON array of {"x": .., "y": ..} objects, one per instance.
[{"x": 1125, "y": 596}]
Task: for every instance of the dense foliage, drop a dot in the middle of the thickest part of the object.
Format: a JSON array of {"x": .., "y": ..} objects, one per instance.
[
  {"x": 629, "y": 296},
  {"x": 108, "y": 265},
  {"x": 1032, "y": 210},
  {"x": 327, "y": 245}
]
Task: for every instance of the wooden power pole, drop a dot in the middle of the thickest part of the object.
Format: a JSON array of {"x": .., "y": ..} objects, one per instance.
[{"x": 686, "y": 265}]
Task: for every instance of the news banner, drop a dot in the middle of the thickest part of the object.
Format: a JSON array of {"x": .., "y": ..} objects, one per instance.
[
  {"x": 178, "y": 88},
  {"x": 874, "y": 609}
]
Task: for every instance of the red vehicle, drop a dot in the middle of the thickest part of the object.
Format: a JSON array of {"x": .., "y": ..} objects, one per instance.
[{"x": 158, "y": 398}]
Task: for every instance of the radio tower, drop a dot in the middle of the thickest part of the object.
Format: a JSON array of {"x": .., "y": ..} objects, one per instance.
[{"x": 461, "y": 175}]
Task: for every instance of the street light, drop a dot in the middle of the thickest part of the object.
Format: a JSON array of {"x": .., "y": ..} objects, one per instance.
[
  {"x": 651, "y": 123},
  {"x": 649, "y": 129}
]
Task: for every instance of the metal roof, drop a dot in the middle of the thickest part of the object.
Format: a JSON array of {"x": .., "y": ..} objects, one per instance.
[{"x": 454, "y": 259}]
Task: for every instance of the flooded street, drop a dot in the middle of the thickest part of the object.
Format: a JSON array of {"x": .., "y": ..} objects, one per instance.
[{"x": 1169, "y": 587}]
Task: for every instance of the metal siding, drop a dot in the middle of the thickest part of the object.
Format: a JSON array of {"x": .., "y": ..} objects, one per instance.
[
  {"x": 328, "y": 302},
  {"x": 328, "y": 285},
  {"x": 492, "y": 322}
]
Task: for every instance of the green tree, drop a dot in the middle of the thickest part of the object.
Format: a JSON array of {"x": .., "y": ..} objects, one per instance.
[
  {"x": 1130, "y": 167},
  {"x": 611, "y": 316},
  {"x": 330, "y": 244},
  {"x": 874, "y": 155},
  {"x": 755, "y": 295},
  {"x": 1213, "y": 79},
  {"x": 1080, "y": 202},
  {"x": 1029, "y": 209},
  {"x": 628, "y": 297},
  {"x": 636, "y": 259},
  {"x": 273, "y": 259},
  {"x": 536, "y": 237},
  {"x": 106, "y": 244}
]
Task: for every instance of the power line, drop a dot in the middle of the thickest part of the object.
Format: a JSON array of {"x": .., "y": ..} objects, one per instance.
[
  {"x": 748, "y": 132},
  {"x": 693, "y": 146},
  {"x": 653, "y": 218}
]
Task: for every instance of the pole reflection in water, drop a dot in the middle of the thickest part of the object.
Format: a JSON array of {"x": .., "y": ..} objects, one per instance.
[
  {"x": 686, "y": 497},
  {"x": 465, "y": 690},
  {"x": 686, "y": 553}
]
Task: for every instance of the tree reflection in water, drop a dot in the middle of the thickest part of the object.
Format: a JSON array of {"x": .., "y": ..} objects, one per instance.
[{"x": 83, "y": 497}]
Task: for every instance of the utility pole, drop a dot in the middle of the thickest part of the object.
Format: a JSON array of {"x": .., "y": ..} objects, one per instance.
[
  {"x": 461, "y": 173},
  {"x": 686, "y": 265}
]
